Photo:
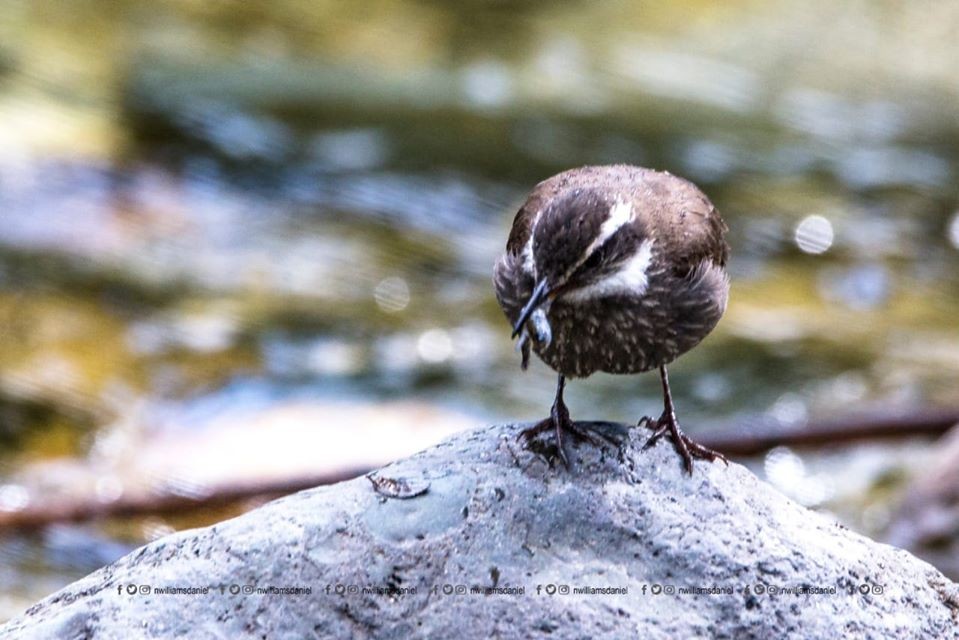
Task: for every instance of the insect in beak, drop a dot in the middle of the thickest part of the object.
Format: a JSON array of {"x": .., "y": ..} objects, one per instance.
[{"x": 534, "y": 311}]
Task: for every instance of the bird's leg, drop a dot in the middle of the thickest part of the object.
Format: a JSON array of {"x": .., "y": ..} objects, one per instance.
[
  {"x": 667, "y": 422},
  {"x": 559, "y": 414},
  {"x": 558, "y": 420}
]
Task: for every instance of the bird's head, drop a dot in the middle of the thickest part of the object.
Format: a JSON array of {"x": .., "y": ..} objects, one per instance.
[{"x": 582, "y": 244}]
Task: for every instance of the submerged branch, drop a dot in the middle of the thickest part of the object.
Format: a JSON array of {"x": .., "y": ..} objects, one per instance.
[
  {"x": 41, "y": 515},
  {"x": 754, "y": 441},
  {"x": 839, "y": 431}
]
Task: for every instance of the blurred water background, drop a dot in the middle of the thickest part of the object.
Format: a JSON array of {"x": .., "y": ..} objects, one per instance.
[{"x": 248, "y": 240}]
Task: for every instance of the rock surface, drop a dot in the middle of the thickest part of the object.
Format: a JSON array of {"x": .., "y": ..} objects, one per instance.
[{"x": 479, "y": 537}]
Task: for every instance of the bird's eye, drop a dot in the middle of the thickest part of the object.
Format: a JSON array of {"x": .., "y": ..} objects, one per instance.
[{"x": 593, "y": 261}]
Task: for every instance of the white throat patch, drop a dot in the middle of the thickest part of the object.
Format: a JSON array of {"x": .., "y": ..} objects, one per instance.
[{"x": 631, "y": 278}]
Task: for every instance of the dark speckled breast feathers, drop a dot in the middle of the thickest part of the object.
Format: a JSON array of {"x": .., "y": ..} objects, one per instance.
[{"x": 618, "y": 269}]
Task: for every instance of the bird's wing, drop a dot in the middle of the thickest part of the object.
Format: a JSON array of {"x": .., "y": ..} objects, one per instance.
[
  {"x": 683, "y": 220},
  {"x": 526, "y": 216}
]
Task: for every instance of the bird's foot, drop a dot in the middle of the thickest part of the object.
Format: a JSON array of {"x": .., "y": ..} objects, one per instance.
[
  {"x": 685, "y": 447},
  {"x": 560, "y": 422}
]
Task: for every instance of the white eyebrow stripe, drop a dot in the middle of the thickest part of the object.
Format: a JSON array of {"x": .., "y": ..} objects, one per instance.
[
  {"x": 630, "y": 278},
  {"x": 529, "y": 260},
  {"x": 529, "y": 264},
  {"x": 620, "y": 214}
]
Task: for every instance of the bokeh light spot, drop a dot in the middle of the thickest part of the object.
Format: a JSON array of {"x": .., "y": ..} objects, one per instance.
[
  {"x": 434, "y": 345},
  {"x": 953, "y": 232},
  {"x": 392, "y": 294},
  {"x": 814, "y": 234},
  {"x": 13, "y": 497}
]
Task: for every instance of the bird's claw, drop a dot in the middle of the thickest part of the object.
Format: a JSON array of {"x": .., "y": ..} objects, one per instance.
[
  {"x": 550, "y": 424},
  {"x": 684, "y": 445},
  {"x": 560, "y": 422}
]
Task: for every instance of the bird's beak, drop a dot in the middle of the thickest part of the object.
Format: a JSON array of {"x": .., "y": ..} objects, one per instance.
[{"x": 540, "y": 293}]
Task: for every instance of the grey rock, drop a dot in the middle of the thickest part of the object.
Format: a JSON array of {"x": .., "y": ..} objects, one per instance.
[{"x": 390, "y": 557}]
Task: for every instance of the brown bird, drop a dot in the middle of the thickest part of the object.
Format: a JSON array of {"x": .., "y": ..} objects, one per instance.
[{"x": 618, "y": 269}]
